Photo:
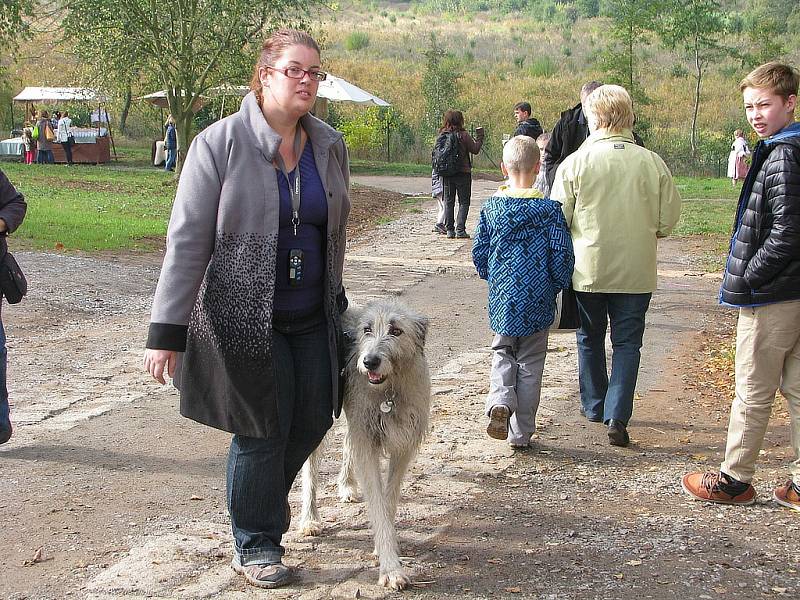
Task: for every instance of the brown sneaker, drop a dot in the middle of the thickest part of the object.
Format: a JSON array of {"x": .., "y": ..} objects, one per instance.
[
  {"x": 706, "y": 487},
  {"x": 787, "y": 496},
  {"x": 264, "y": 576},
  {"x": 498, "y": 422}
]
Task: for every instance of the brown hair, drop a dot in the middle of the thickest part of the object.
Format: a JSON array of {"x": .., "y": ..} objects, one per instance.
[
  {"x": 273, "y": 47},
  {"x": 780, "y": 78},
  {"x": 44, "y": 114},
  {"x": 453, "y": 121}
]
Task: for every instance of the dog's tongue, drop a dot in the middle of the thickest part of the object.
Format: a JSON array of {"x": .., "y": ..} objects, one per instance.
[{"x": 374, "y": 377}]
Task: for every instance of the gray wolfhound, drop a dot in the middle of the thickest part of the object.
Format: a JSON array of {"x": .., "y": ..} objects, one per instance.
[{"x": 387, "y": 404}]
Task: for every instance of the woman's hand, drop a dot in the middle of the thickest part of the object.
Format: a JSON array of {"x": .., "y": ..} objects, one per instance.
[{"x": 156, "y": 360}]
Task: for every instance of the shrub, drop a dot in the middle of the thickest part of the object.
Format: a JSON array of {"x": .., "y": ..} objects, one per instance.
[
  {"x": 542, "y": 66},
  {"x": 356, "y": 40},
  {"x": 679, "y": 71},
  {"x": 519, "y": 61}
]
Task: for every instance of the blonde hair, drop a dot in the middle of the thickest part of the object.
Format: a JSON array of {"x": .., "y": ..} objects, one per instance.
[
  {"x": 520, "y": 154},
  {"x": 272, "y": 49},
  {"x": 738, "y": 133},
  {"x": 782, "y": 79},
  {"x": 609, "y": 107}
]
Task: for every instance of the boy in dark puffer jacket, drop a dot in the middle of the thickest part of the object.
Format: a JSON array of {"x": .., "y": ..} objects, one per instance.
[{"x": 762, "y": 279}]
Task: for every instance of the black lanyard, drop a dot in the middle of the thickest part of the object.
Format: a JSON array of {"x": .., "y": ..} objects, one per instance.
[{"x": 294, "y": 191}]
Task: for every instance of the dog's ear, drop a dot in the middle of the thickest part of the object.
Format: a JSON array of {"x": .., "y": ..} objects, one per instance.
[{"x": 421, "y": 326}]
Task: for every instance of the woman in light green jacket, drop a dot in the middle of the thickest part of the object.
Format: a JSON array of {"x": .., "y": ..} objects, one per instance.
[{"x": 618, "y": 199}]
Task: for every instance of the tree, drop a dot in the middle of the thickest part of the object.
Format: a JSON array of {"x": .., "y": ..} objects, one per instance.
[
  {"x": 695, "y": 27},
  {"x": 631, "y": 22},
  {"x": 439, "y": 84},
  {"x": 765, "y": 22},
  {"x": 13, "y": 24},
  {"x": 187, "y": 46}
]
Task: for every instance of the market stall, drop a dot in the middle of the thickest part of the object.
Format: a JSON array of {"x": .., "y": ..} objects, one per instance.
[{"x": 93, "y": 145}]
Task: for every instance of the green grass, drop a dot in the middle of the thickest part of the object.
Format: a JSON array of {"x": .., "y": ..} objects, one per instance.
[
  {"x": 126, "y": 205},
  {"x": 92, "y": 208}
]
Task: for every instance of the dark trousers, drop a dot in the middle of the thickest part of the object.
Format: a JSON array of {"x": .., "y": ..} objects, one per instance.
[
  {"x": 601, "y": 396},
  {"x": 67, "y": 151},
  {"x": 261, "y": 471},
  {"x": 460, "y": 185},
  {"x": 5, "y": 421}
]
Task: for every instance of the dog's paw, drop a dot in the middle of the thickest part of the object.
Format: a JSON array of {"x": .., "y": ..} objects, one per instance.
[
  {"x": 348, "y": 494},
  {"x": 395, "y": 579},
  {"x": 311, "y": 528}
]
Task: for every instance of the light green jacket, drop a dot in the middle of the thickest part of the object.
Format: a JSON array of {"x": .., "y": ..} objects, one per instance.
[{"x": 618, "y": 198}]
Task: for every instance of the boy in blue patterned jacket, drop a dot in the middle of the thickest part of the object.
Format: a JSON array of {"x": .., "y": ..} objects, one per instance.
[{"x": 523, "y": 249}]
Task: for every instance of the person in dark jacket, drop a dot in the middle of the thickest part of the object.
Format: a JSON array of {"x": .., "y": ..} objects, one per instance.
[
  {"x": 171, "y": 144},
  {"x": 762, "y": 279},
  {"x": 568, "y": 135},
  {"x": 12, "y": 211},
  {"x": 526, "y": 124},
  {"x": 460, "y": 184}
]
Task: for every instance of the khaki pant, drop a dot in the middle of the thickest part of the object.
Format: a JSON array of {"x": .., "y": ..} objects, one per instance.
[{"x": 767, "y": 357}]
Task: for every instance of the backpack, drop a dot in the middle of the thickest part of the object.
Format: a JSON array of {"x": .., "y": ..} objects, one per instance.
[
  {"x": 446, "y": 154},
  {"x": 35, "y": 132}
]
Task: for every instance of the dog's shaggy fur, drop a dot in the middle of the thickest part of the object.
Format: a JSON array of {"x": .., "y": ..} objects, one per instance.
[{"x": 385, "y": 366}]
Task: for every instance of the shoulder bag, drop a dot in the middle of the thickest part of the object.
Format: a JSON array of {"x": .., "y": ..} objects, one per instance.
[{"x": 13, "y": 284}]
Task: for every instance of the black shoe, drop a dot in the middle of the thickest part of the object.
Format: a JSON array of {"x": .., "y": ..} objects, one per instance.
[
  {"x": 5, "y": 433},
  {"x": 439, "y": 228},
  {"x": 451, "y": 235},
  {"x": 617, "y": 433},
  {"x": 462, "y": 235},
  {"x": 591, "y": 419}
]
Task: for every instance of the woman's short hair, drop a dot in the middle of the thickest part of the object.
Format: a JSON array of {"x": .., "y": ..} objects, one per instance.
[
  {"x": 274, "y": 46},
  {"x": 520, "y": 154},
  {"x": 738, "y": 133},
  {"x": 453, "y": 121},
  {"x": 609, "y": 107}
]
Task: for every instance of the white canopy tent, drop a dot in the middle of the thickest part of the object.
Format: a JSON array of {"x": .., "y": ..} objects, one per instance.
[
  {"x": 57, "y": 95},
  {"x": 340, "y": 90}
]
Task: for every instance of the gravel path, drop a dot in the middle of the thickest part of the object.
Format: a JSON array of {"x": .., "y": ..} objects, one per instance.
[{"x": 126, "y": 499}]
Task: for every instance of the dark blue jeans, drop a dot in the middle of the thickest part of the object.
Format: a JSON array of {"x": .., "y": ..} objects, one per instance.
[
  {"x": 261, "y": 471},
  {"x": 172, "y": 157},
  {"x": 5, "y": 423},
  {"x": 603, "y": 397}
]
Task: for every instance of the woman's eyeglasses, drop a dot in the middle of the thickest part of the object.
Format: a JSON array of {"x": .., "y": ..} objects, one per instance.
[{"x": 298, "y": 73}]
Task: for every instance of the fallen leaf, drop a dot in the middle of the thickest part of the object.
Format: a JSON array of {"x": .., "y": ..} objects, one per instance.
[
  {"x": 619, "y": 576},
  {"x": 195, "y": 497},
  {"x": 516, "y": 590},
  {"x": 634, "y": 563}
]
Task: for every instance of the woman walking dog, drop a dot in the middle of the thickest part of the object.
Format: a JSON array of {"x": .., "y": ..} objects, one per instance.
[{"x": 248, "y": 303}]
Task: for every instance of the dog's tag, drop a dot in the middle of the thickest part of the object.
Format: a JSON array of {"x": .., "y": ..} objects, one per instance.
[{"x": 387, "y": 406}]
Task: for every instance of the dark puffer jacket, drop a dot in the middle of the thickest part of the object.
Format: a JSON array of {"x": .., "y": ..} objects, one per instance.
[{"x": 763, "y": 265}]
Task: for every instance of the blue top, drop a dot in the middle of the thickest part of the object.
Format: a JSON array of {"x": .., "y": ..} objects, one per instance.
[
  {"x": 311, "y": 237},
  {"x": 523, "y": 248}
]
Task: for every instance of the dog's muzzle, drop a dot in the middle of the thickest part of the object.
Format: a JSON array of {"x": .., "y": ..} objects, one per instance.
[{"x": 372, "y": 362}]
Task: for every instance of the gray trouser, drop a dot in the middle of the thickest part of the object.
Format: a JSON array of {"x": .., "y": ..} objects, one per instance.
[{"x": 516, "y": 381}]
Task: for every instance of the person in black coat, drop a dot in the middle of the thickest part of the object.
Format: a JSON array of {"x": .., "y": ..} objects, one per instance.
[
  {"x": 762, "y": 279},
  {"x": 12, "y": 212},
  {"x": 526, "y": 124}
]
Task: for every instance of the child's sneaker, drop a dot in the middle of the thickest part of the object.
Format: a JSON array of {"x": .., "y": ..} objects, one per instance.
[
  {"x": 711, "y": 487},
  {"x": 498, "y": 422},
  {"x": 787, "y": 495}
]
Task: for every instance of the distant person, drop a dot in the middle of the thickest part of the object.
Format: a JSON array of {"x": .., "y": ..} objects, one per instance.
[
  {"x": 64, "y": 135},
  {"x": 250, "y": 339},
  {"x": 762, "y": 279},
  {"x": 523, "y": 249},
  {"x": 12, "y": 212},
  {"x": 526, "y": 124},
  {"x": 737, "y": 159},
  {"x": 28, "y": 143},
  {"x": 541, "y": 179},
  {"x": 568, "y": 134},
  {"x": 460, "y": 184},
  {"x": 171, "y": 144},
  {"x": 43, "y": 145},
  {"x": 618, "y": 199},
  {"x": 437, "y": 193}
]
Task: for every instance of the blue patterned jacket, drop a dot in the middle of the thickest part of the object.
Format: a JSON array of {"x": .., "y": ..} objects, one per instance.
[{"x": 523, "y": 248}]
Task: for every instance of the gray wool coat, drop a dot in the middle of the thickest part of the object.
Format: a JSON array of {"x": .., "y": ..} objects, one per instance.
[{"x": 214, "y": 299}]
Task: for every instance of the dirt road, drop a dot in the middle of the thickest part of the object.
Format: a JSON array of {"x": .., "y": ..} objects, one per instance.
[{"x": 125, "y": 498}]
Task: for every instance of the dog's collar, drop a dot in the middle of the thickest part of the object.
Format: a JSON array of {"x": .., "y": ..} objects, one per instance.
[{"x": 387, "y": 405}]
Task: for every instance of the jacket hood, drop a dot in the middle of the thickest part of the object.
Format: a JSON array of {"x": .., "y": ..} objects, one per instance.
[
  {"x": 322, "y": 135},
  {"x": 512, "y": 192},
  {"x": 787, "y": 135},
  {"x": 524, "y": 207}
]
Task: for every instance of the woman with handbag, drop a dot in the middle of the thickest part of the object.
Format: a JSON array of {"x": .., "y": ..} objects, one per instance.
[
  {"x": 44, "y": 143},
  {"x": 64, "y": 135},
  {"x": 612, "y": 185},
  {"x": 247, "y": 309}
]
